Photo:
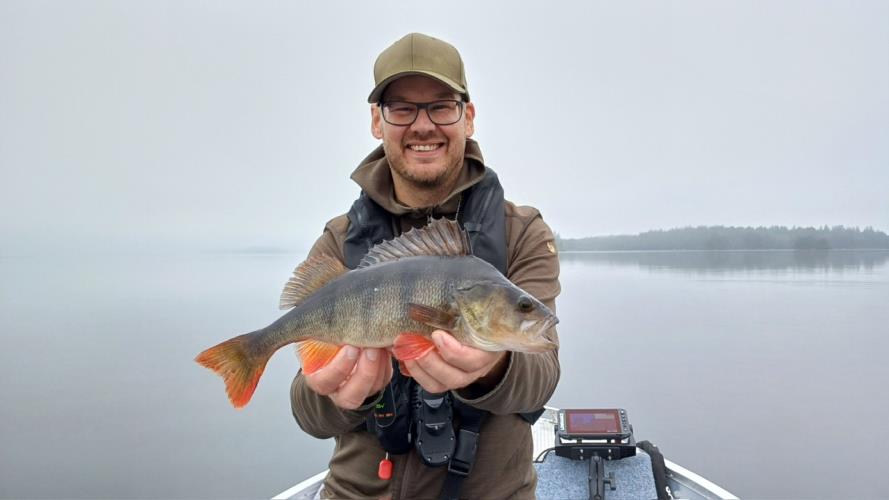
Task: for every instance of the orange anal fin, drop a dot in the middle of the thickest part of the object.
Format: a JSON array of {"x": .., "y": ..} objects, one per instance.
[
  {"x": 411, "y": 346},
  {"x": 315, "y": 354}
]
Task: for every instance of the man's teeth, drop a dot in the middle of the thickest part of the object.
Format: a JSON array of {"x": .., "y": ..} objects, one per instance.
[{"x": 424, "y": 147}]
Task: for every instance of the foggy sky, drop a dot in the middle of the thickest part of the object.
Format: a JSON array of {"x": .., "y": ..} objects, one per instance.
[{"x": 213, "y": 125}]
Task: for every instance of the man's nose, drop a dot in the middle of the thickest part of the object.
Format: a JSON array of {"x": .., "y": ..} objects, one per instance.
[{"x": 423, "y": 122}]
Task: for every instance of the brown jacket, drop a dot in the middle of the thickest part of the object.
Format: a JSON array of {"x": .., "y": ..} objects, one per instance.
[{"x": 503, "y": 467}]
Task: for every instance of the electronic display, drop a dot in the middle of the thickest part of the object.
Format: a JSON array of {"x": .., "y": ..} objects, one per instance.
[
  {"x": 603, "y": 432},
  {"x": 592, "y": 422}
]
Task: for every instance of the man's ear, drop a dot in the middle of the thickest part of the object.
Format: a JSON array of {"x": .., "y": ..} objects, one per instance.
[
  {"x": 470, "y": 117},
  {"x": 376, "y": 121}
]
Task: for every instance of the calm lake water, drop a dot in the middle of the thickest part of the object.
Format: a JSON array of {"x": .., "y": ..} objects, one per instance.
[{"x": 763, "y": 371}]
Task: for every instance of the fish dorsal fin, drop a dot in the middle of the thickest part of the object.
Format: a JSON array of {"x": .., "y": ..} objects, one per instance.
[
  {"x": 440, "y": 237},
  {"x": 308, "y": 277}
]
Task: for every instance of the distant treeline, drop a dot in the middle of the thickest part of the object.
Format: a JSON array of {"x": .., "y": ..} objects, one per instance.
[{"x": 735, "y": 238}]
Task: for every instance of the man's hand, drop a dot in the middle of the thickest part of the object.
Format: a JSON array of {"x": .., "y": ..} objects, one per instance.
[
  {"x": 352, "y": 375},
  {"x": 454, "y": 365}
]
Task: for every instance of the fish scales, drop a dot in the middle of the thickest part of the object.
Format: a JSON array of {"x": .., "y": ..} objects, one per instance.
[
  {"x": 369, "y": 306},
  {"x": 386, "y": 293}
]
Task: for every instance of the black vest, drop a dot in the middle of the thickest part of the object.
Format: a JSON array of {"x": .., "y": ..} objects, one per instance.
[
  {"x": 481, "y": 214},
  {"x": 483, "y": 217}
]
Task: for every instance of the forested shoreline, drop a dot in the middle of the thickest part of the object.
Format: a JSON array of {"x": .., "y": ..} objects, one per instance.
[{"x": 735, "y": 238}]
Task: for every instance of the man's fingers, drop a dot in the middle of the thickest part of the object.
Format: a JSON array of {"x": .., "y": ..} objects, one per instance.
[
  {"x": 327, "y": 379},
  {"x": 384, "y": 372},
  {"x": 423, "y": 377},
  {"x": 468, "y": 359},
  {"x": 360, "y": 385}
]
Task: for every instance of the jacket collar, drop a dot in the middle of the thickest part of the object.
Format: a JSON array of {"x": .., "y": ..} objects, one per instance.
[{"x": 374, "y": 177}]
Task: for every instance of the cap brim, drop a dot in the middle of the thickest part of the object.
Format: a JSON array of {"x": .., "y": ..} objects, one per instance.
[{"x": 377, "y": 93}]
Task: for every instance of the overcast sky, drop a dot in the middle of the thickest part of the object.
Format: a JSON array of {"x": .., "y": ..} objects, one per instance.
[{"x": 215, "y": 124}]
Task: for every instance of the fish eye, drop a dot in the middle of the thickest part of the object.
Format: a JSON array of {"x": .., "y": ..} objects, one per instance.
[{"x": 525, "y": 304}]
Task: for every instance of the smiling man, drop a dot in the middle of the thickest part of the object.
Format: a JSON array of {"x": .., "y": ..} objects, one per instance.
[
  {"x": 424, "y": 150},
  {"x": 429, "y": 167}
]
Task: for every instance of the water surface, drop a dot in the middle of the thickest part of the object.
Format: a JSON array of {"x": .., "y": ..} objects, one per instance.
[{"x": 763, "y": 371}]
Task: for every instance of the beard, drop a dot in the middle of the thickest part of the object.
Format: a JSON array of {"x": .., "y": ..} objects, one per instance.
[
  {"x": 422, "y": 180},
  {"x": 424, "y": 176}
]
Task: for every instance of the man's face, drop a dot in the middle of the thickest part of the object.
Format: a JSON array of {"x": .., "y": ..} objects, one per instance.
[{"x": 407, "y": 147}]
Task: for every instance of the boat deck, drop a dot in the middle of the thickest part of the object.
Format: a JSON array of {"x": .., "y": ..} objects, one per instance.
[{"x": 563, "y": 479}]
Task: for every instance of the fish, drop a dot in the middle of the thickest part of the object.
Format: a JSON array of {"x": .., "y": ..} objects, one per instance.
[{"x": 404, "y": 289}]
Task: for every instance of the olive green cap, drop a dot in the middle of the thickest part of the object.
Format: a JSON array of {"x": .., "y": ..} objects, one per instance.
[{"x": 418, "y": 54}]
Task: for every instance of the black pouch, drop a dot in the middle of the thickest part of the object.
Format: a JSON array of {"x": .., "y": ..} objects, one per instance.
[
  {"x": 391, "y": 419},
  {"x": 434, "y": 427}
]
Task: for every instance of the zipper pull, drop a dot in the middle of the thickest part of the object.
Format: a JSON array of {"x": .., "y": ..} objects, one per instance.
[{"x": 384, "y": 471}]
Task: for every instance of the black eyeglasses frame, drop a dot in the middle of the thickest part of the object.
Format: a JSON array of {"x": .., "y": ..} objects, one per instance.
[{"x": 423, "y": 106}]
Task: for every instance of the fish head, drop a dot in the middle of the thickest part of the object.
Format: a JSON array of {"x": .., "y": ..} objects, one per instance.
[{"x": 502, "y": 317}]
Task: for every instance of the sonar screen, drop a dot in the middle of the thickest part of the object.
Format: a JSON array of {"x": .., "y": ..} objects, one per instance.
[{"x": 594, "y": 424}]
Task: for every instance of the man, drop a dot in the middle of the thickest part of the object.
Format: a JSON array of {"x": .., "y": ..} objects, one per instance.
[{"x": 428, "y": 167}]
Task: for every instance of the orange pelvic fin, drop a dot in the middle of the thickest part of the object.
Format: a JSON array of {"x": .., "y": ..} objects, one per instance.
[
  {"x": 238, "y": 365},
  {"x": 315, "y": 354},
  {"x": 411, "y": 346}
]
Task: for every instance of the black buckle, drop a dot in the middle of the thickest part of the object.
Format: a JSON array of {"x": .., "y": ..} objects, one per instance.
[{"x": 464, "y": 456}]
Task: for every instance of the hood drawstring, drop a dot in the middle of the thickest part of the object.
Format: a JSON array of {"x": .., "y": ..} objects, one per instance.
[{"x": 431, "y": 211}]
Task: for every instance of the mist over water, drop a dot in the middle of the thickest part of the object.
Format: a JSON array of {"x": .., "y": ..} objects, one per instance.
[
  {"x": 733, "y": 261},
  {"x": 735, "y": 363}
]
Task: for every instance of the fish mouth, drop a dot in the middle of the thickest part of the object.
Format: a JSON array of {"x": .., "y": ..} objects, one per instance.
[
  {"x": 539, "y": 343},
  {"x": 542, "y": 344},
  {"x": 550, "y": 322},
  {"x": 529, "y": 325}
]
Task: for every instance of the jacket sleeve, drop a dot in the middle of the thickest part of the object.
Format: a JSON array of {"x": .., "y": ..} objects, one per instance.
[
  {"x": 317, "y": 415},
  {"x": 529, "y": 379}
]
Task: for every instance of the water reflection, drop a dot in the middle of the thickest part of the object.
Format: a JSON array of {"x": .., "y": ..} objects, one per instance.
[{"x": 733, "y": 261}]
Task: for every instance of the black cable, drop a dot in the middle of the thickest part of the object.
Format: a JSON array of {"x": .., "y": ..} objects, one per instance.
[{"x": 543, "y": 454}]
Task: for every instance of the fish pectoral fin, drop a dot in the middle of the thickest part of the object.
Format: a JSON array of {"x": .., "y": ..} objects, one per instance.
[
  {"x": 411, "y": 346},
  {"x": 315, "y": 354},
  {"x": 436, "y": 318}
]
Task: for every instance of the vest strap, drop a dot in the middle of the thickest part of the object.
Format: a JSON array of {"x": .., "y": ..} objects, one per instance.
[{"x": 461, "y": 463}]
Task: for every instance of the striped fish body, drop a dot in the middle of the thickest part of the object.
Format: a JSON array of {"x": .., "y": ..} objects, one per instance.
[
  {"x": 370, "y": 307},
  {"x": 402, "y": 291}
]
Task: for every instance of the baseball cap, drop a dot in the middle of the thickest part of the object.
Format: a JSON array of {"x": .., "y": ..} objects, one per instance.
[{"x": 419, "y": 54}]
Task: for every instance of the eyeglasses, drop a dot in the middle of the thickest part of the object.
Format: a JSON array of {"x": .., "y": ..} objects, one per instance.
[{"x": 403, "y": 113}]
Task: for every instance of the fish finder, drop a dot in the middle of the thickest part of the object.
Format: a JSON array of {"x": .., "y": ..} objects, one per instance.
[
  {"x": 605, "y": 433},
  {"x": 595, "y": 436}
]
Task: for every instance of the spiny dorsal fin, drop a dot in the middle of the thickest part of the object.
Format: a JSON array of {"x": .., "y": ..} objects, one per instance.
[
  {"x": 308, "y": 277},
  {"x": 440, "y": 237}
]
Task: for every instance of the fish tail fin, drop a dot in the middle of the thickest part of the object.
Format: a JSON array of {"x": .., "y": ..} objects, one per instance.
[{"x": 240, "y": 364}]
